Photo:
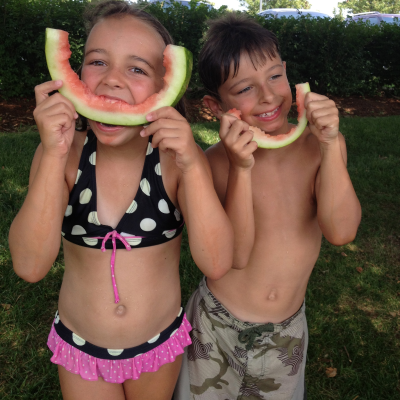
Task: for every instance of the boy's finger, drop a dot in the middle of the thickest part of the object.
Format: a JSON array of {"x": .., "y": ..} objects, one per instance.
[
  {"x": 164, "y": 112},
  {"x": 42, "y": 91},
  {"x": 311, "y": 96}
]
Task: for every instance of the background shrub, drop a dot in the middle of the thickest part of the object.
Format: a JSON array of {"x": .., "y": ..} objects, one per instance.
[{"x": 334, "y": 56}]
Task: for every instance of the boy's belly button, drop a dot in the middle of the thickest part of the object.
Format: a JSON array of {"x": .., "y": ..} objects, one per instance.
[
  {"x": 272, "y": 296},
  {"x": 120, "y": 311}
]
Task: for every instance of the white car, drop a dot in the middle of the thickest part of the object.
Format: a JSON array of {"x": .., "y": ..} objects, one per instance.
[{"x": 291, "y": 12}]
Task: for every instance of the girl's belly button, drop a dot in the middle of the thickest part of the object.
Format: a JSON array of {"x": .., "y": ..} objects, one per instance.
[{"x": 120, "y": 311}]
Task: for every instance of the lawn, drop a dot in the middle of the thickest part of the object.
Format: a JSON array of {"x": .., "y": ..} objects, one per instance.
[{"x": 353, "y": 299}]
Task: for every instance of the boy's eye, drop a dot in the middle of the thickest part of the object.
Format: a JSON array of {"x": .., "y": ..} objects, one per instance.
[
  {"x": 275, "y": 77},
  {"x": 244, "y": 90},
  {"x": 138, "y": 71}
]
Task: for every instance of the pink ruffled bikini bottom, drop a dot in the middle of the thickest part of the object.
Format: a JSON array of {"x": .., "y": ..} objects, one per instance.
[{"x": 78, "y": 356}]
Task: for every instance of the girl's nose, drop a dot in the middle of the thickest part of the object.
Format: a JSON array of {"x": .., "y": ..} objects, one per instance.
[{"x": 114, "y": 78}]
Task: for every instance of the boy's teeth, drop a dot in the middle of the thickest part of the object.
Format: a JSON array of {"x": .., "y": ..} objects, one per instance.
[{"x": 269, "y": 114}]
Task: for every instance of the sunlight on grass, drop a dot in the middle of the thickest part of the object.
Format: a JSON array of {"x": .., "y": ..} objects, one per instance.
[{"x": 353, "y": 298}]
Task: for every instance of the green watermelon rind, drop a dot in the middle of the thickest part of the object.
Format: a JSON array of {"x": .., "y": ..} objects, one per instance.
[
  {"x": 268, "y": 143},
  {"x": 181, "y": 68}
]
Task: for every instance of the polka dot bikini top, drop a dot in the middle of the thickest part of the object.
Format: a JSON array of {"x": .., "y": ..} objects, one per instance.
[{"x": 150, "y": 219}]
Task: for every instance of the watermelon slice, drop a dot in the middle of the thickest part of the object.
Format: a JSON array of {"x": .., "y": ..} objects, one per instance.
[
  {"x": 266, "y": 141},
  {"x": 177, "y": 62}
]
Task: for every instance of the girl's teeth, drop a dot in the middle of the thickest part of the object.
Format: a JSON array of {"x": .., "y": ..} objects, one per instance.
[
  {"x": 101, "y": 123},
  {"x": 270, "y": 114}
]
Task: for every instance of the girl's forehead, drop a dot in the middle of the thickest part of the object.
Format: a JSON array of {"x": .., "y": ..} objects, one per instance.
[{"x": 125, "y": 32}]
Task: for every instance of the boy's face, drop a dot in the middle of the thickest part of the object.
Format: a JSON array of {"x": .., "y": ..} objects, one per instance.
[{"x": 262, "y": 95}]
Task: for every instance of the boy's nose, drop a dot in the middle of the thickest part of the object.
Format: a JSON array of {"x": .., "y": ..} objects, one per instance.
[{"x": 266, "y": 94}]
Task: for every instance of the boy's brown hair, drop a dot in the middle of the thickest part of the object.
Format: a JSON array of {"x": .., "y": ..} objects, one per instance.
[{"x": 227, "y": 38}]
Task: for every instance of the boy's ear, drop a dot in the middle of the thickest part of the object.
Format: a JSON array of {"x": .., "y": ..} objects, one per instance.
[
  {"x": 284, "y": 64},
  {"x": 213, "y": 104}
]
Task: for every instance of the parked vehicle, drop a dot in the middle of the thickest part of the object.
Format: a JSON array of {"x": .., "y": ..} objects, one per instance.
[
  {"x": 375, "y": 18},
  {"x": 291, "y": 12}
]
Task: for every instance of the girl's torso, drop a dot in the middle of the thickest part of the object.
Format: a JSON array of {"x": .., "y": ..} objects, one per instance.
[{"x": 136, "y": 199}]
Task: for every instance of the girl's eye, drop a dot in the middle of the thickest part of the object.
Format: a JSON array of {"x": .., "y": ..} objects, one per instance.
[
  {"x": 96, "y": 63},
  {"x": 244, "y": 90}
]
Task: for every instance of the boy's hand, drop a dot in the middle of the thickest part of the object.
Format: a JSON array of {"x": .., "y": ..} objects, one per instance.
[
  {"x": 323, "y": 117},
  {"x": 238, "y": 141},
  {"x": 172, "y": 134},
  {"x": 55, "y": 118}
]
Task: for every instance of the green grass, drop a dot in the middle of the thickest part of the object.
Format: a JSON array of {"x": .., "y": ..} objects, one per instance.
[{"x": 347, "y": 311}]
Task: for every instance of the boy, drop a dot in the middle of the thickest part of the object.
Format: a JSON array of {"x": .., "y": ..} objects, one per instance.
[{"x": 249, "y": 328}]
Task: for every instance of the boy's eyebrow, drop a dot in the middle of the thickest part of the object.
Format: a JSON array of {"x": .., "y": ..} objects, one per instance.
[
  {"x": 102, "y": 51},
  {"x": 246, "y": 79}
]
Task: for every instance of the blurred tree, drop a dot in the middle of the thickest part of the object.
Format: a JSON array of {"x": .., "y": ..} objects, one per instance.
[
  {"x": 254, "y": 5},
  {"x": 359, "y": 6}
]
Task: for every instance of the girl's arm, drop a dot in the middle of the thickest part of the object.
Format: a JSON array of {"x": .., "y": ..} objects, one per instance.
[
  {"x": 209, "y": 229},
  {"x": 35, "y": 233},
  {"x": 339, "y": 211}
]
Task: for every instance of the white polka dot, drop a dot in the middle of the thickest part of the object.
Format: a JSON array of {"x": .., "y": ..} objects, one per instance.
[
  {"x": 78, "y": 175},
  {"x": 86, "y": 140},
  {"x": 78, "y": 340},
  {"x": 115, "y": 352},
  {"x": 78, "y": 230},
  {"x": 68, "y": 211},
  {"x": 147, "y": 224},
  {"x": 145, "y": 186},
  {"x": 177, "y": 215},
  {"x": 163, "y": 206},
  {"x": 92, "y": 218},
  {"x": 180, "y": 312},
  {"x": 131, "y": 241},
  {"x": 137, "y": 355},
  {"x": 149, "y": 149},
  {"x": 169, "y": 234},
  {"x": 92, "y": 158},
  {"x": 85, "y": 196},
  {"x": 157, "y": 168},
  {"x": 62, "y": 233},
  {"x": 154, "y": 339},
  {"x": 90, "y": 241},
  {"x": 57, "y": 318},
  {"x": 132, "y": 208},
  {"x": 173, "y": 333}
]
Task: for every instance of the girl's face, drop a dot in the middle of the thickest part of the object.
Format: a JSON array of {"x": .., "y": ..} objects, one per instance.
[{"x": 123, "y": 60}]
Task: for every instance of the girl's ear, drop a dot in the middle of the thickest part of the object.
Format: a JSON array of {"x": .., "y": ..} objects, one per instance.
[{"x": 214, "y": 105}]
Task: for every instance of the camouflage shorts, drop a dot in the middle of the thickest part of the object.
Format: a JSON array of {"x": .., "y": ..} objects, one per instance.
[{"x": 230, "y": 359}]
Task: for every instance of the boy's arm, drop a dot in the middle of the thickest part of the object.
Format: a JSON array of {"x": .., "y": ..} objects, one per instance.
[
  {"x": 232, "y": 179},
  {"x": 339, "y": 211}
]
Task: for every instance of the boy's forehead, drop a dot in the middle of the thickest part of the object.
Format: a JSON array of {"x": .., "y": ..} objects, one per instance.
[{"x": 247, "y": 65}]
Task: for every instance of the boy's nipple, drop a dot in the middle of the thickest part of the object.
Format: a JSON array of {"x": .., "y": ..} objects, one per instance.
[{"x": 120, "y": 311}]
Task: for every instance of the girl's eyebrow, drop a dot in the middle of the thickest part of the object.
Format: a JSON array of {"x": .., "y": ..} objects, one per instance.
[{"x": 136, "y": 58}]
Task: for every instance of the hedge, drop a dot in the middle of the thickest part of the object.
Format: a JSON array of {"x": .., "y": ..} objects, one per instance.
[{"x": 334, "y": 56}]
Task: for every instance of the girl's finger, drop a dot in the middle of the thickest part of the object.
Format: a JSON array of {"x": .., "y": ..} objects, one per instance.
[
  {"x": 165, "y": 112},
  {"x": 162, "y": 134},
  {"x": 162, "y": 123},
  {"x": 42, "y": 91}
]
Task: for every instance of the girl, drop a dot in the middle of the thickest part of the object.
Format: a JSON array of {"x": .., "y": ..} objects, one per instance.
[{"x": 115, "y": 196}]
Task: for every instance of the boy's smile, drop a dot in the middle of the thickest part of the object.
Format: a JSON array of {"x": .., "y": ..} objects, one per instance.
[{"x": 261, "y": 93}]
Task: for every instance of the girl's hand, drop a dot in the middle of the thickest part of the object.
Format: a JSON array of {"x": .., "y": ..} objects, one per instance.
[
  {"x": 237, "y": 140},
  {"x": 172, "y": 134},
  {"x": 323, "y": 117},
  {"x": 55, "y": 118}
]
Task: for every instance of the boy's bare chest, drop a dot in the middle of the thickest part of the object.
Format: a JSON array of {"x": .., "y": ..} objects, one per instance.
[{"x": 284, "y": 191}]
